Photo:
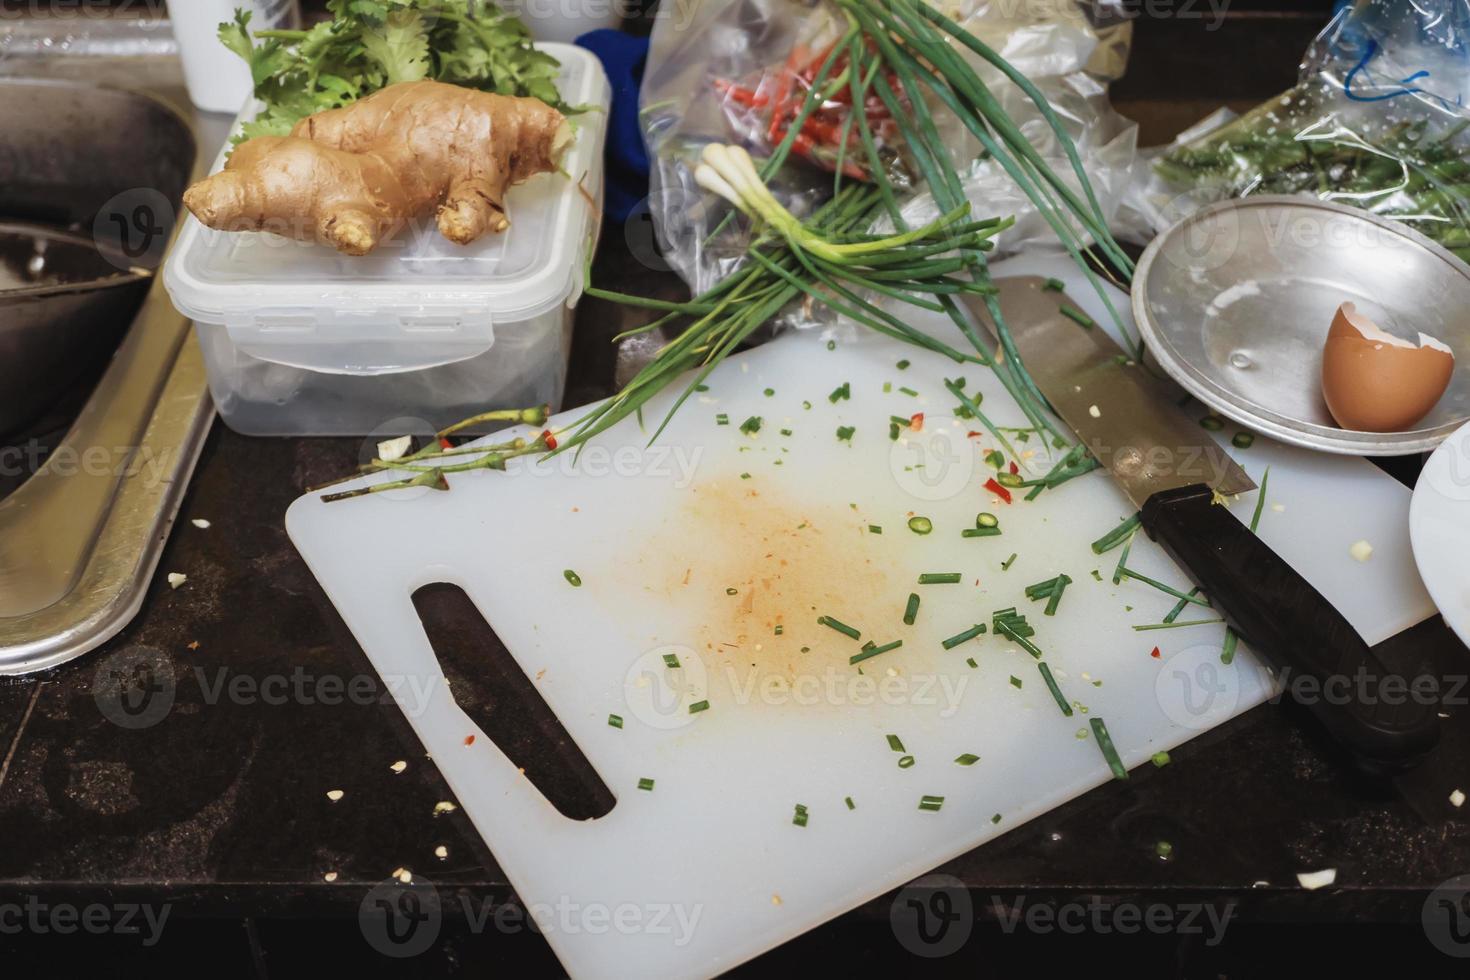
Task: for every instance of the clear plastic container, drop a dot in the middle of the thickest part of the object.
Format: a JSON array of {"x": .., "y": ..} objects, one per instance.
[{"x": 300, "y": 340}]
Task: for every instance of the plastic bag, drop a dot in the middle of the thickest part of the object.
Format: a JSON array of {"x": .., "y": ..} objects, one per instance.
[
  {"x": 1378, "y": 121},
  {"x": 736, "y": 70}
]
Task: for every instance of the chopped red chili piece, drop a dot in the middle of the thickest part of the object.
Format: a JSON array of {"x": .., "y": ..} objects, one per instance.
[
  {"x": 550, "y": 439},
  {"x": 998, "y": 490},
  {"x": 469, "y": 740},
  {"x": 1156, "y": 654},
  {"x": 916, "y": 423},
  {"x": 1014, "y": 467}
]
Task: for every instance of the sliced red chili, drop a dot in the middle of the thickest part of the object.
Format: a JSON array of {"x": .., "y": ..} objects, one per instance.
[
  {"x": 550, "y": 439},
  {"x": 998, "y": 490},
  {"x": 1155, "y": 653},
  {"x": 916, "y": 422}
]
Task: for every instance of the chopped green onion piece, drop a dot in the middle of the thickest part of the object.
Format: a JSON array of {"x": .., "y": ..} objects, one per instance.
[
  {"x": 722, "y": 419},
  {"x": 701, "y": 388},
  {"x": 786, "y": 432},
  {"x": 1227, "y": 653},
  {"x": 1008, "y": 479},
  {"x": 769, "y": 392},
  {"x": 902, "y": 365},
  {"x": 732, "y": 591},
  {"x": 1008, "y": 628},
  {"x": 887, "y": 387},
  {"x": 910, "y": 392},
  {"x": 615, "y": 721},
  {"x": 646, "y": 784},
  {"x": 984, "y": 519},
  {"x": 911, "y": 611},
  {"x": 1176, "y": 626},
  {"x": 806, "y": 405},
  {"x": 1077, "y": 316},
  {"x": 1005, "y": 566},
  {"x": 871, "y": 651},
  {"x": 1015, "y": 682},
  {"x": 698, "y": 706},
  {"x": 1160, "y": 759},
  {"x": 964, "y": 637},
  {"x": 839, "y": 626},
  {"x": 850, "y": 804},
  {"x": 1054, "y": 285},
  {"x": 920, "y": 525},
  {"x": 842, "y": 391},
  {"x": 844, "y": 433},
  {"x": 981, "y": 532},
  {"x": 900, "y": 420},
  {"x": 895, "y": 743},
  {"x": 1115, "y": 537},
  {"x": 893, "y": 431},
  {"x": 751, "y": 425},
  {"x": 780, "y": 629},
  {"x": 671, "y": 661},
  {"x": 906, "y": 762},
  {"x": 1260, "y": 501},
  {"x": 1105, "y": 745},
  {"x": 931, "y": 803},
  {"x": 1191, "y": 597},
  {"x": 1056, "y": 692},
  {"x": 995, "y": 458},
  {"x": 1164, "y": 849},
  {"x": 1243, "y": 440},
  {"x": 831, "y": 345},
  {"x": 799, "y": 817},
  {"x": 1122, "y": 561},
  {"x": 995, "y": 819},
  {"x": 875, "y": 529},
  {"x": 968, "y": 759},
  {"x": 573, "y": 578},
  {"x": 1212, "y": 422},
  {"x": 940, "y": 578},
  {"x": 971, "y": 662}
]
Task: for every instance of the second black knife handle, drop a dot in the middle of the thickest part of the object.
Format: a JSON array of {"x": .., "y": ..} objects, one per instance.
[{"x": 1368, "y": 708}]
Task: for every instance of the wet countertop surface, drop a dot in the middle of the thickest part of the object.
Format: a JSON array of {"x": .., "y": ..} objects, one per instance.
[{"x": 190, "y": 759}]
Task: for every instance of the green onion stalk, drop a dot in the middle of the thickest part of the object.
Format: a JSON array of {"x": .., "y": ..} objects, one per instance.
[{"x": 906, "y": 54}]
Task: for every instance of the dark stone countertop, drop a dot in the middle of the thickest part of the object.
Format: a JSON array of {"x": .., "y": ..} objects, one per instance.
[{"x": 217, "y": 804}]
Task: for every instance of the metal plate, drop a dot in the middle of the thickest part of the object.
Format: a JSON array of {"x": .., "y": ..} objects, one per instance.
[{"x": 1236, "y": 300}]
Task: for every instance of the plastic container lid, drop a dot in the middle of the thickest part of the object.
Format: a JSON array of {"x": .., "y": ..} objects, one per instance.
[{"x": 419, "y": 300}]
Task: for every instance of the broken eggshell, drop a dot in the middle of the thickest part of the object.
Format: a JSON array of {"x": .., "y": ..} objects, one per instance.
[{"x": 1376, "y": 382}]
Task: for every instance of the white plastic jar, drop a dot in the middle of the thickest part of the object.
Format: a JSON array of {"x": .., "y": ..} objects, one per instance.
[{"x": 218, "y": 79}]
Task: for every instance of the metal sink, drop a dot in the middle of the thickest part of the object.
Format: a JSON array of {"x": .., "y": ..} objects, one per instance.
[{"x": 96, "y": 135}]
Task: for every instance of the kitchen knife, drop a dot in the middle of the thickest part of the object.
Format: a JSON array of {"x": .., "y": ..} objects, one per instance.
[{"x": 1175, "y": 473}]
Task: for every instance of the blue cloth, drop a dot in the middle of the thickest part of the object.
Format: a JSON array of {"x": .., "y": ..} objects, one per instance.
[{"x": 623, "y": 57}]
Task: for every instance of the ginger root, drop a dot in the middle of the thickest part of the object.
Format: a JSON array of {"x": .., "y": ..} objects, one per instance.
[{"x": 352, "y": 177}]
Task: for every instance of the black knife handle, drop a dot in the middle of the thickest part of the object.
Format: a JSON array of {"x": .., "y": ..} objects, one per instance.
[{"x": 1369, "y": 709}]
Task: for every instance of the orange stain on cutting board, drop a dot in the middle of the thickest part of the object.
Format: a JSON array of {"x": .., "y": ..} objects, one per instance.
[{"x": 738, "y": 560}]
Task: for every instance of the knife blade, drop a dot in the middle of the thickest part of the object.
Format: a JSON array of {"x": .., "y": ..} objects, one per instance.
[{"x": 1177, "y": 474}]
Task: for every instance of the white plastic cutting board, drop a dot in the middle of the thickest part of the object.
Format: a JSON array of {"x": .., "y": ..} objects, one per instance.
[{"x": 708, "y": 868}]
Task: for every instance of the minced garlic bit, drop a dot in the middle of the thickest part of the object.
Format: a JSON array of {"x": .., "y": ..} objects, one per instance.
[
  {"x": 391, "y": 449},
  {"x": 335, "y": 794},
  {"x": 176, "y": 579},
  {"x": 1313, "y": 880},
  {"x": 399, "y": 766},
  {"x": 444, "y": 807},
  {"x": 1094, "y": 411},
  {"x": 1457, "y": 799},
  {"x": 200, "y": 523},
  {"x": 1361, "y": 551},
  {"x": 441, "y": 852},
  {"x": 775, "y": 899},
  {"x": 330, "y": 876},
  {"x": 404, "y": 875}
]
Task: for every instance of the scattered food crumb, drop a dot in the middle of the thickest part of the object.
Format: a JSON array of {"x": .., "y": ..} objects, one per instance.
[
  {"x": 1279, "y": 508},
  {"x": 444, "y": 807},
  {"x": 176, "y": 579},
  {"x": 404, "y": 875},
  {"x": 1313, "y": 880},
  {"x": 441, "y": 852},
  {"x": 469, "y": 740},
  {"x": 399, "y": 766},
  {"x": 1094, "y": 411},
  {"x": 1457, "y": 799},
  {"x": 335, "y": 794},
  {"x": 330, "y": 876},
  {"x": 1361, "y": 551},
  {"x": 200, "y": 523},
  {"x": 194, "y": 645},
  {"x": 775, "y": 899}
]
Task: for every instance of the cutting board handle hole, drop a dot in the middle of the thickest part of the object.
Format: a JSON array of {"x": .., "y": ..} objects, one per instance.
[{"x": 491, "y": 688}]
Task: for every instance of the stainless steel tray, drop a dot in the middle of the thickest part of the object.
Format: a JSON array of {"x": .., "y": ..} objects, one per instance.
[{"x": 1235, "y": 303}]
